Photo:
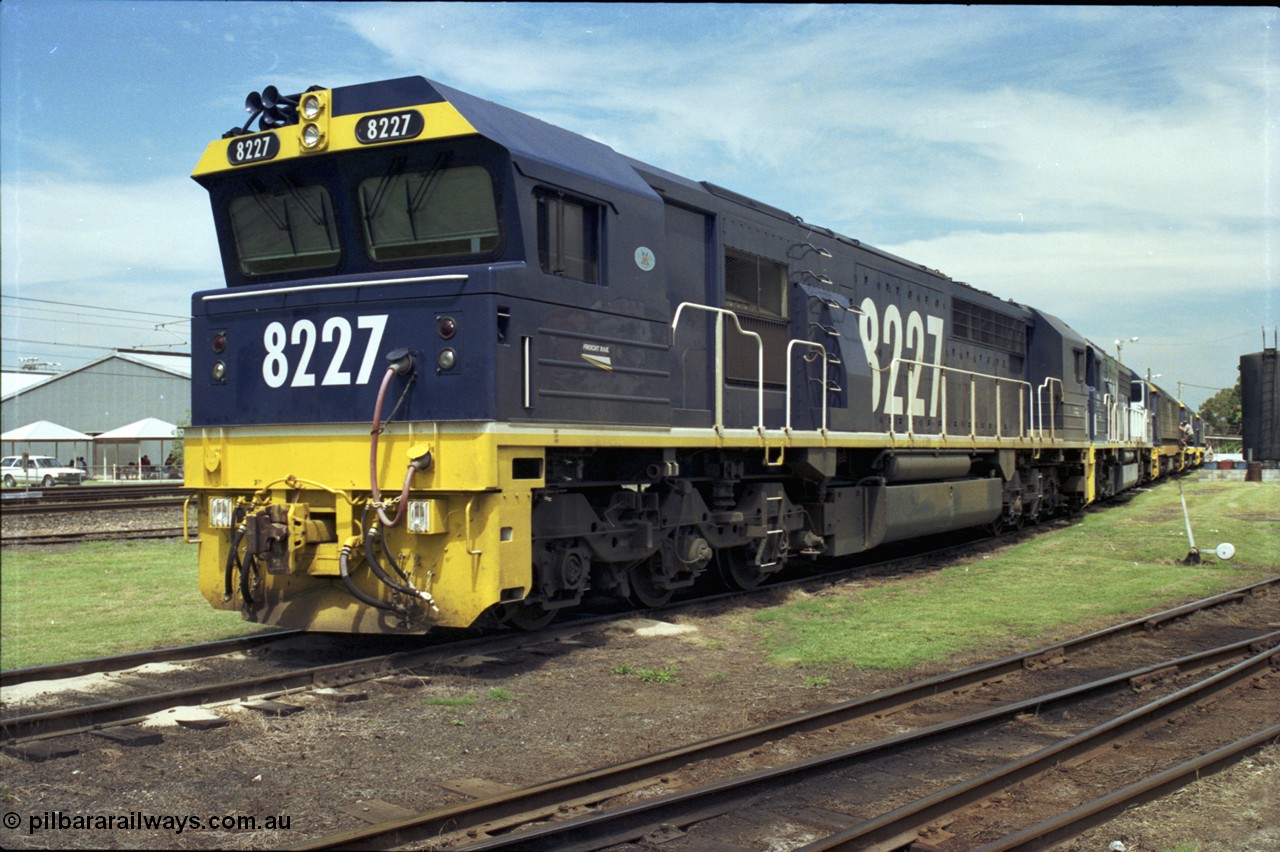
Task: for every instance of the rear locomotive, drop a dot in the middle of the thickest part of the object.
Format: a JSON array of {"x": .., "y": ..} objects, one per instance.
[{"x": 468, "y": 366}]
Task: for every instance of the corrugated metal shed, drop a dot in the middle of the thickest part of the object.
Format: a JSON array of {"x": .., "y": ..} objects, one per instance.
[
  {"x": 12, "y": 382},
  {"x": 120, "y": 388}
]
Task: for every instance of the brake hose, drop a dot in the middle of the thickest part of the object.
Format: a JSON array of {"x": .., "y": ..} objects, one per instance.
[{"x": 392, "y": 371}]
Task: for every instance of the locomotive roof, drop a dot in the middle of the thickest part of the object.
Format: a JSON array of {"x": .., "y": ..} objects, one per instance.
[
  {"x": 531, "y": 140},
  {"x": 543, "y": 150}
]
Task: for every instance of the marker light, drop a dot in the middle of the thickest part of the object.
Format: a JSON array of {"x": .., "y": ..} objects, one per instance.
[
  {"x": 447, "y": 359},
  {"x": 219, "y": 371},
  {"x": 220, "y": 512},
  {"x": 447, "y": 326},
  {"x": 219, "y": 343}
]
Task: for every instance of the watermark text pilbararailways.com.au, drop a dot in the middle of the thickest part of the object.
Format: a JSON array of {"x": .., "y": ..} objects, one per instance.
[{"x": 56, "y": 821}]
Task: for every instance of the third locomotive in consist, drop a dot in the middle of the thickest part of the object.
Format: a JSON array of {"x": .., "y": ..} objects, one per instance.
[{"x": 467, "y": 364}]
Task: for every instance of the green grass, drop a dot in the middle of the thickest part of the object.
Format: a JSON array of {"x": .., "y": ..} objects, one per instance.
[
  {"x": 1105, "y": 567},
  {"x": 102, "y": 598},
  {"x": 666, "y": 675}
]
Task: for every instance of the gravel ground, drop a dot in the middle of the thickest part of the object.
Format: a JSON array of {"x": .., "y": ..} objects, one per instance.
[
  {"x": 107, "y": 520},
  {"x": 542, "y": 714}
]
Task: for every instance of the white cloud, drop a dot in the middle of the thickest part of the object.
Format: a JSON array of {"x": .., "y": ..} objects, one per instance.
[
  {"x": 1132, "y": 269},
  {"x": 862, "y": 97},
  {"x": 1113, "y": 166},
  {"x": 1063, "y": 156},
  {"x": 58, "y": 230}
]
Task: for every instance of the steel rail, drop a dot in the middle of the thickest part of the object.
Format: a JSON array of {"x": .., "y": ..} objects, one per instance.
[
  {"x": 13, "y": 498},
  {"x": 97, "y": 505},
  {"x": 552, "y": 793},
  {"x": 631, "y": 822},
  {"x": 1077, "y": 820},
  {"x": 70, "y": 720},
  {"x": 41, "y": 540},
  {"x": 119, "y": 662},
  {"x": 912, "y": 817}
]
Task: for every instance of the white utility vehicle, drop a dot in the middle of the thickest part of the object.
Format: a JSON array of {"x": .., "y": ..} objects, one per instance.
[{"x": 38, "y": 470}]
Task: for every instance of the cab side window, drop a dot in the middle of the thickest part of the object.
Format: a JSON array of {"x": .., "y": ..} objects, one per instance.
[{"x": 568, "y": 236}]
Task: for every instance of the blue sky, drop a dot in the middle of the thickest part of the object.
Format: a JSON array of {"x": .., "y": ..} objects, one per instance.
[{"x": 1114, "y": 166}]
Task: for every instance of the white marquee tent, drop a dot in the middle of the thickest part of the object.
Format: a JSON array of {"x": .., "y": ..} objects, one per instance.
[
  {"x": 42, "y": 432},
  {"x": 146, "y": 429}
]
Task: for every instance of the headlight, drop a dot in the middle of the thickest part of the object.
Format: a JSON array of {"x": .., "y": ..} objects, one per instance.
[
  {"x": 447, "y": 359},
  {"x": 311, "y": 136},
  {"x": 221, "y": 510},
  {"x": 311, "y": 106},
  {"x": 219, "y": 371}
]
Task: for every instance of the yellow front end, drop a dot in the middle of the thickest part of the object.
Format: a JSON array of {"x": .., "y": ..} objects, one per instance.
[{"x": 301, "y": 501}]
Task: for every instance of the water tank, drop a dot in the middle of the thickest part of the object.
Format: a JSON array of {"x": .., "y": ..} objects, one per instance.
[{"x": 1260, "y": 405}]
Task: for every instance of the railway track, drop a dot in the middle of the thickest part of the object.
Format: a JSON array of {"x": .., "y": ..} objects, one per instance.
[
  {"x": 676, "y": 817},
  {"x": 91, "y": 498},
  {"x": 107, "y": 513},
  {"x": 535, "y": 817},
  {"x": 496, "y": 819},
  {"x": 62, "y": 721},
  {"x": 121, "y": 662},
  {"x": 40, "y": 539}
]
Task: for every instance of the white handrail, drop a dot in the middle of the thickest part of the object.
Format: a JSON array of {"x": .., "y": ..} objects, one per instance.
[
  {"x": 719, "y": 377},
  {"x": 821, "y": 349},
  {"x": 1046, "y": 385},
  {"x": 973, "y": 397}
]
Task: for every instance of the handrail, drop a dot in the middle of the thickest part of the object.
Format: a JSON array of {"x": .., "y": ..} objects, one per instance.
[
  {"x": 1024, "y": 388},
  {"x": 1047, "y": 384},
  {"x": 822, "y": 349},
  {"x": 719, "y": 377},
  {"x": 186, "y": 525},
  {"x": 1032, "y": 405}
]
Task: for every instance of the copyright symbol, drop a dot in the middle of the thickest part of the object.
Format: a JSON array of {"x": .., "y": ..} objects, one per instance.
[{"x": 12, "y": 820}]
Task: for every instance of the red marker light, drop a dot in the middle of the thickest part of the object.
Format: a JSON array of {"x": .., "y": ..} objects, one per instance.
[{"x": 447, "y": 327}]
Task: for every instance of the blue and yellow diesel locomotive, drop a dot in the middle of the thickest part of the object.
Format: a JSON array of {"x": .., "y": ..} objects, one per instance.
[{"x": 468, "y": 364}]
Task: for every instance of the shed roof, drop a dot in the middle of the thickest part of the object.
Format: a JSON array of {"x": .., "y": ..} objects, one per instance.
[
  {"x": 178, "y": 365},
  {"x": 15, "y": 381}
]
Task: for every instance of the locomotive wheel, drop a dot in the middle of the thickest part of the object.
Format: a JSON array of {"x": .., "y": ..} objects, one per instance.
[
  {"x": 643, "y": 589},
  {"x": 735, "y": 571},
  {"x": 528, "y": 616}
]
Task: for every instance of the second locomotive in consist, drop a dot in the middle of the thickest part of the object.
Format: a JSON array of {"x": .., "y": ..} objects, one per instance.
[{"x": 468, "y": 364}]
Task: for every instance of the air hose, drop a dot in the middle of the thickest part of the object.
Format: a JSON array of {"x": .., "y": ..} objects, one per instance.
[
  {"x": 371, "y": 556},
  {"x": 343, "y": 558},
  {"x": 402, "y": 364},
  {"x": 233, "y": 563}
]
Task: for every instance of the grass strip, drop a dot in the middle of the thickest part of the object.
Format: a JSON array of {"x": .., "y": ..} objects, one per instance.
[
  {"x": 1107, "y": 566},
  {"x": 95, "y": 599},
  {"x": 101, "y": 598}
]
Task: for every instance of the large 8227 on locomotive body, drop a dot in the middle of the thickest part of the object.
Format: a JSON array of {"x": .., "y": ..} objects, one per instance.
[{"x": 468, "y": 366}]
